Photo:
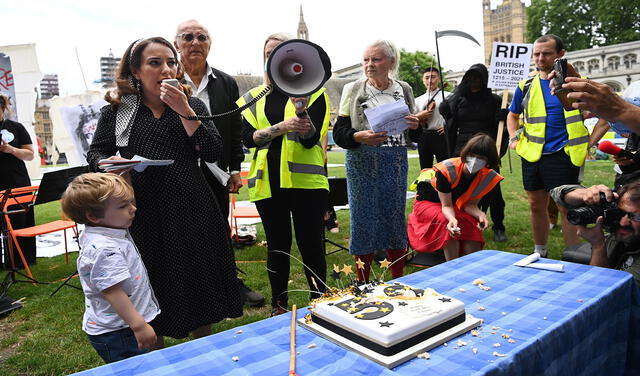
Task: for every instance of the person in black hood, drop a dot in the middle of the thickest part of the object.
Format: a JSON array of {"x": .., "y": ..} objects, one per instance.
[{"x": 473, "y": 109}]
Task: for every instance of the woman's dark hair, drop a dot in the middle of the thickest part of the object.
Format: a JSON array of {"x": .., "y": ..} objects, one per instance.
[
  {"x": 132, "y": 60},
  {"x": 484, "y": 146},
  {"x": 4, "y": 103}
]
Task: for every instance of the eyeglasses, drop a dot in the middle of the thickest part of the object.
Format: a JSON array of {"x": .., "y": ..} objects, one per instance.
[
  {"x": 188, "y": 37},
  {"x": 633, "y": 217}
]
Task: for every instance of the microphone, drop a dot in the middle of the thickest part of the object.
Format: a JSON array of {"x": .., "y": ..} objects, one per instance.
[{"x": 611, "y": 148}]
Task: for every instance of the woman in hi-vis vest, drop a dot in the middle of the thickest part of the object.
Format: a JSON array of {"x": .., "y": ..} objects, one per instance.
[
  {"x": 287, "y": 179},
  {"x": 376, "y": 162},
  {"x": 445, "y": 213}
]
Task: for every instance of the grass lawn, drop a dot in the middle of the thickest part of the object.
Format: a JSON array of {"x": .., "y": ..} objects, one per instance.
[{"x": 45, "y": 336}]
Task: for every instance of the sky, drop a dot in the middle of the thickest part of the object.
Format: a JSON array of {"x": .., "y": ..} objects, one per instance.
[{"x": 238, "y": 28}]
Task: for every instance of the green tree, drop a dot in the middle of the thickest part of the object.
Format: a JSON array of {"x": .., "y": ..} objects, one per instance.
[
  {"x": 411, "y": 75},
  {"x": 571, "y": 20},
  {"x": 619, "y": 20},
  {"x": 584, "y": 23}
]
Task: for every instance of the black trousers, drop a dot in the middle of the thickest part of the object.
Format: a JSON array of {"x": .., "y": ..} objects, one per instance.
[
  {"x": 307, "y": 208},
  {"x": 431, "y": 144},
  {"x": 495, "y": 202}
]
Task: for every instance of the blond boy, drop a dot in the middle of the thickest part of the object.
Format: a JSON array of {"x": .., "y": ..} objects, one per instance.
[{"x": 119, "y": 301}]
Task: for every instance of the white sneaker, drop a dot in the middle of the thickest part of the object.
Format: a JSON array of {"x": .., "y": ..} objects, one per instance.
[{"x": 541, "y": 253}]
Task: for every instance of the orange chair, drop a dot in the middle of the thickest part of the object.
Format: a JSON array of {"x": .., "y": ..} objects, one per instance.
[
  {"x": 240, "y": 212},
  {"x": 22, "y": 200}
]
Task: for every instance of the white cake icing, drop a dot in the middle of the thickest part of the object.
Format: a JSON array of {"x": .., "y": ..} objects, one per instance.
[{"x": 388, "y": 314}]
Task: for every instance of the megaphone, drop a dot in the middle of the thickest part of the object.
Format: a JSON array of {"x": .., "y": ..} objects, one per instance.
[{"x": 298, "y": 68}]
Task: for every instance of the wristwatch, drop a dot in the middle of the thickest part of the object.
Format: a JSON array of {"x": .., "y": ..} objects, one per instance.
[{"x": 514, "y": 138}]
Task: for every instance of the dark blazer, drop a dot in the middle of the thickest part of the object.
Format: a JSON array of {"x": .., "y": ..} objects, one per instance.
[{"x": 223, "y": 93}]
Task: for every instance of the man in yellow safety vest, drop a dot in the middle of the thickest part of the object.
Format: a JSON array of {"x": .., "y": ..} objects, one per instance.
[{"x": 553, "y": 144}]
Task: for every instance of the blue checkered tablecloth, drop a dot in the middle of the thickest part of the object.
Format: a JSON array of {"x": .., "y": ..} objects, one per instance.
[{"x": 581, "y": 322}]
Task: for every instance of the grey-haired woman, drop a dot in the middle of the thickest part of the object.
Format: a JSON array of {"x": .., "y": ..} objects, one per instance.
[{"x": 376, "y": 162}]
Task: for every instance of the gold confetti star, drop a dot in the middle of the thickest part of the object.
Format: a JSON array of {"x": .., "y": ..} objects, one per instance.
[
  {"x": 360, "y": 264},
  {"x": 359, "y": 316},
  {"x": 346, "y": 269},
  {"x": 384, "y": 309},
  {"x": 384, "y": 263}
]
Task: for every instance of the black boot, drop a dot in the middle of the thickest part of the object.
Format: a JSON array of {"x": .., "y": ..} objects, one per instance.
[{"x": 251, "y": 298}]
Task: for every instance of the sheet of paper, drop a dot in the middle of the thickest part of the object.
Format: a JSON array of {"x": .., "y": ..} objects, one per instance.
[
  {"x": 219, "y": 173},
  {"x": 551, "y": 267},
  {"x": 388, "y": 117},
  {"x": 110, "y": 165},
  {"x": 137, "y": 162},
  {"x": 528, "y": 260},
  {"x": 144, "y": 162}
]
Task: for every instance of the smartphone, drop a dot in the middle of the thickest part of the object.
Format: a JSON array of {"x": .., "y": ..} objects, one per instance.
[
  {"x": 173, "y": 82},
  {"x": 560, "y": 67}
]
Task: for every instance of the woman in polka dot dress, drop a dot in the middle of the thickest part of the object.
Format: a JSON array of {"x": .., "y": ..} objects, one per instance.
[{"x": 178, "y": 227}]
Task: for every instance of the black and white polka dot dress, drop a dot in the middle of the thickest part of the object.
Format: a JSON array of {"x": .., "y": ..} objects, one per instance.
[{"x": 178, "y": 227}]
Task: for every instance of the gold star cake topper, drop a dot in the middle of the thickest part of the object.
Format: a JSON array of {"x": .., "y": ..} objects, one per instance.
[
  {"x": 346, "y": 269},
  {"x": 360, "y": 264},
  {"x": 384, "y": 264}
]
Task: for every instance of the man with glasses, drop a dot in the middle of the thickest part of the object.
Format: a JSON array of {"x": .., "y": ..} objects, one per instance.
[
  {"x": 620, "y": 249},
  {"x": 219, "y": 92}
]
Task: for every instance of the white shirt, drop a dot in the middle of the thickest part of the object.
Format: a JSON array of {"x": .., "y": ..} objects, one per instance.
[
  {"x": 108, "y": 256},
  {"x": 201, "y": 91},
  {"x": 436, "y": 120}
]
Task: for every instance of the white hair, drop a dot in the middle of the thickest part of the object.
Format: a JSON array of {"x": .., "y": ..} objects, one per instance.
[{"x": 391, "y": 51}]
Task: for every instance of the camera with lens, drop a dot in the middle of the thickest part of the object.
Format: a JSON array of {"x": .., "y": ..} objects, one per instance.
[{"x": 587, "y": 215}]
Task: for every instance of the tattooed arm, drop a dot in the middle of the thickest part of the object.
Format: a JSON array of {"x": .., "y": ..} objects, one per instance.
[{"x": 294, "y": 124}]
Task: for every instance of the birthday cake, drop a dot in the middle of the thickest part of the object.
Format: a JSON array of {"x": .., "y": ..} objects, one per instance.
[{"x": 387, "y": 318}]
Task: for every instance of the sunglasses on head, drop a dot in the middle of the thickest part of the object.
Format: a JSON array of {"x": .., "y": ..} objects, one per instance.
[{"x": 188, "y": 37}]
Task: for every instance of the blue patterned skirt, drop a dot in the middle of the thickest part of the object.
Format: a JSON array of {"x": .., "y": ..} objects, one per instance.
[{"x": 377, "y": 186}]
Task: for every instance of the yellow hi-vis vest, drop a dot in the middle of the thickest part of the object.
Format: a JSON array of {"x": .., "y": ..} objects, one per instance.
[
  {"x": 299, "y": 167},
  {"x": 535, "y": 118}
]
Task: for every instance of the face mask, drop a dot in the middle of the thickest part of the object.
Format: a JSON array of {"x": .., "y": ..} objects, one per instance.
[{"x": 474, "y": 164}]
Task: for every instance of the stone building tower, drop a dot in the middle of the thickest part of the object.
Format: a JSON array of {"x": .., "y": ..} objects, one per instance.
[
  {"x": 506, "y": 23},
  {"x": 303, "y": 32}
]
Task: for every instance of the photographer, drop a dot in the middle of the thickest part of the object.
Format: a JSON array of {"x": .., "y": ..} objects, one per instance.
[{"x": 621, "y": 248}]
